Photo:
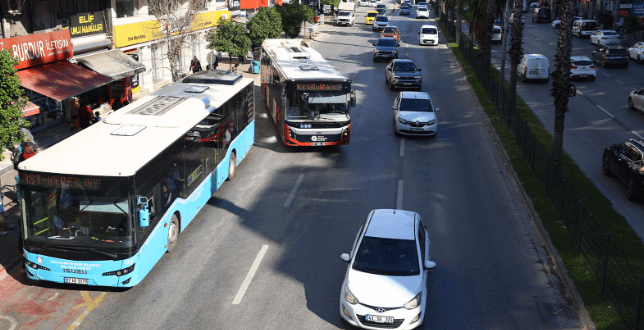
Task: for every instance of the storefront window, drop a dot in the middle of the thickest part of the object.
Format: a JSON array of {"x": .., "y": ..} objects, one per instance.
[{"x": 124, "y": 8}]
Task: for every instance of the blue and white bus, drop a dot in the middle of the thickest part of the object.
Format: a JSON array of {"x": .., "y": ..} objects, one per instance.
[{"x": 102, "y": 207}]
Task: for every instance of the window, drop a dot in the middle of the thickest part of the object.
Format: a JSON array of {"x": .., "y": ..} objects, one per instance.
[
  {"x": 124, "y": 8},
  {"x": 157, "y": 62}
]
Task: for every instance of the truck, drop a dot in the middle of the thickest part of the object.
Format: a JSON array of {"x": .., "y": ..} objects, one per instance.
[{"x": 346, "y": 13}]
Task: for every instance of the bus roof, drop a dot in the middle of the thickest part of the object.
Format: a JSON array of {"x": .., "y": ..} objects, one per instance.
[
  {"x": 299, "y": 61},
  {"x": 129, "y": 138}
]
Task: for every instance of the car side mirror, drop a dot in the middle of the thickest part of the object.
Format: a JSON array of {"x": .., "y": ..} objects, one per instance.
[
  {"x": 437, "y": 109},
  {"x": 346, "y": 257},
  {"x": 420, "y": 69},
  {"x": 144, "y": 213},
  {"x": 418, "y": 32},
  {"x": 429, "y": 264}
]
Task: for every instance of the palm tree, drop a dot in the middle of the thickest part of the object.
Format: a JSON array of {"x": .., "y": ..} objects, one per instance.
[
  {"x": 562, "y": 90},
  {"x": 516, "y": 50}
]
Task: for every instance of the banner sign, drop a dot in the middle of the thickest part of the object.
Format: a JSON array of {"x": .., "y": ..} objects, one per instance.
[
  {"x": 41, "y": 48},
  {"x": 85, "y": 24}
]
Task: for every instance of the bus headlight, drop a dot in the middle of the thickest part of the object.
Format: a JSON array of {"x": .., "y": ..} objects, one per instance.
[
  {"x": 120, "y": 272},
  {"x": 35, "y": 265}
]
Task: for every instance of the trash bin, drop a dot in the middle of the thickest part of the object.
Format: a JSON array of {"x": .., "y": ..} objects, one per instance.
[
  {"x": 316, "y": 19},
  {"x": 254, "y": 66}
]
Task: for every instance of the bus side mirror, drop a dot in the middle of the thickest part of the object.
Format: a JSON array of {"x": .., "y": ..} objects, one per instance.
[
  {"x": 353, "y": 98},
  {"x": 144, "y": 213}
]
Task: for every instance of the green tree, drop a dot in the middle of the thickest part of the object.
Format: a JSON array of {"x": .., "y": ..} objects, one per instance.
[
  {"x": 267, "y": 24},
  {"x": 632, "y": 24},
  {"x": 293, "y": 15},
  {"x": 230, "y": 38},
  {"x": 333, "y": 3},
  {"x": 12, "y": 101}
]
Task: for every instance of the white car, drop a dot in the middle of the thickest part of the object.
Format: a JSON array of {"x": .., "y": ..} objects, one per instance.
[
  {"x": 385, "y": 285},
  {"x": 422, "y": 4},
  {"x": 497, "y": 34},
  {"x": 557, "y": 23},
  {"x": 582, "y": 68},
  {"x": 428, "y": 35},
  {"x": 373, "y": 3},
  {"x": 414, "y": 114},
  {"x": 364, "y": 3},
  {"x": 422, "y": 12},
  {"x": 604, "y": 37},
  {"x": 636, "y": 52},
  {"x": 536, "y": 4},
  {"x": 636, "y": 100}
]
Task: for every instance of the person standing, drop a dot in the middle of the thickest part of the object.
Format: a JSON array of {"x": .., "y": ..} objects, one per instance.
[
  {"x": 195, "y": 65},
  {"x": 85, "y": 115},
  {"x": 3, "y": 226}
]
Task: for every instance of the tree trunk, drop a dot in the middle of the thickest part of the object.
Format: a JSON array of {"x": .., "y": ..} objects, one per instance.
[
  {"x": 459, "y": 21},
  {"x": 516, "y": 51},
  {"x": 485, "y": 39},
  {"x": 562, "y": 90}
]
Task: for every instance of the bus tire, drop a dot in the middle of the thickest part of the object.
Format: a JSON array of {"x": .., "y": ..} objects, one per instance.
[
  {"x": 173, "y": 233},
  {"x": 232, "y": 166}
]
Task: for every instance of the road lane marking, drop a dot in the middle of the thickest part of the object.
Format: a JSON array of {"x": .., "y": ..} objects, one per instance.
[
  {"x": 251, "y": 274},
  {"x": 619, "y": 81},
  {"x": 91, "y": 304},
  {"x": 580, "y": 93},
  {"x": 604, "y": 110},
  {"x": 400, "y": 195},
  {"x": 292, "y": 195},
  {"x": 402, "y": 147},
  {"x": 638, "y": 135}
]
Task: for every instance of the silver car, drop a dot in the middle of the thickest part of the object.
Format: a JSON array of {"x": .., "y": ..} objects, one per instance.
[
  {"x": 636, "y": 52},
  {"x": 582, "y": 68},
  {"x": 605, "y": 37},
  {"x": 636, "y": 100}
]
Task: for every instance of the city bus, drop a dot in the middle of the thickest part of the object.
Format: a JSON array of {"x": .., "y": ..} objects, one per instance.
[
  {"x": 103, "y": 206},
  {"x": 308, "y": 99}
]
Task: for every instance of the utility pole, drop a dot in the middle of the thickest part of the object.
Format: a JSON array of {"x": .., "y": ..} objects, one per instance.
[{"x": 504, "y": 41}]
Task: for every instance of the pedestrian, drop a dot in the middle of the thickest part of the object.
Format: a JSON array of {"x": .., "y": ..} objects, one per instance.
[
  {"x": 28, "y": 150},
  {"x": 214, "y": 65},
  {"x": 97, "y": 117},
  {"x": 85, "y": 115},
  {"x": 117, "y": 104},
  {"x": 195, "y": 65},
  {"x": 3, "y": 226}
]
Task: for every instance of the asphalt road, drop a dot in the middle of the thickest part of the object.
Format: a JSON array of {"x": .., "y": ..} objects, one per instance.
[
  {"x": 290, "y": 213},
  {"x": 598, "y": 116}
]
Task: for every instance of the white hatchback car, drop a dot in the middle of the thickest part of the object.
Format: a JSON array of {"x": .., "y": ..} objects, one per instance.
[
  {"x": 414, "y": 114},
  {"x": 636, "y": 52},
  {"x": 385, "y": 285},
  {"x": 605, "y": 37},
  {"x": 428, "y": 35},
  {"x": 422, "y": 12},
  {"x": 582, "y": 68},
  {"x": 636, "y": 100}
]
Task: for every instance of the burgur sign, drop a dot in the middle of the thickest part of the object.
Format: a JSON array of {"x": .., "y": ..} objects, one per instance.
[{"x": 41, "y": 48}]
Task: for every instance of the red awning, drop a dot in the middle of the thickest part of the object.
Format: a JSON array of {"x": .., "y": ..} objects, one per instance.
[
  {"x": 30, "y": 109},
  {"x": 61, "y": 80}
]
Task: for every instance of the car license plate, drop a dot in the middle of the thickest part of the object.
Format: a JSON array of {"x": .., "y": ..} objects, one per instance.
[
  {"x": 406, "y": 83},
  {"x": 71, "y": 280},
  {"x": 417, "y": 129},
  {"x": 380, "y": 319},
  {"x": 583, "y": 76}
]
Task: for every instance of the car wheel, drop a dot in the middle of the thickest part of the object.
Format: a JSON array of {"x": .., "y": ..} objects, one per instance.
[
  {"x": 395, "y": 129},
  {"x": 557, "y": 26},
  {"x": 173, "y": 233},
  {"x": 603, "y": 63},
  {"x": 639, "y": 59},
  {"x": 374, "y": 59},
  {"x": 593, "y": 78},
  {"x": 523, "y": 78},
  {"x": 391, "y": 87},
  {"x": 606, "y": 166},
  {"x": 625, "y": 65},
  {"x": 630, "y": 104},
  {"x": 547, "y": 80},
  {"x": 630, "y": 189}
]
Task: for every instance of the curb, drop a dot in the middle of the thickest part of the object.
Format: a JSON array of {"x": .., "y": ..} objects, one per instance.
[{"x": 559, "y": 268}]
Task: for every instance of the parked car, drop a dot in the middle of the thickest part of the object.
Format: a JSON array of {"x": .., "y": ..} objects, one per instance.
[
  {"x": 373, "y": 3},
  {"x": 414, "y": 114},
  {"x": 636, "y": 52},
  {"x": 363, "y": 3},
  {"x": 604, "y": 37},
  {"x": 391, "y": 31},
  {"x": 422, "y": 4},
  {"x": 541, "y": 15},
  {"x": 387, "y": 266},
  {"x": 533, "y": 66},
  {"x": 403, "y": 74},
  {"x": 380, "y": 22},
  {"x": 582, "y": 68},
  {"x": 557, "y": 23},
  {"x": 405, "y": 10},
  {"x": 385, "y": 48},
  {"x": 636, "y": 100},
  {"x": 611, "y": 55},
  {"x": 428, "y": 35},
  {"x": 584, "y": 27},
  {"x": 371, "y": 16},
  {"x": 512, "y": 19},
  {"x": 497, "y": 34},
  {"x": 624, "y": 161},
  {"x": 422, "y": 12}
]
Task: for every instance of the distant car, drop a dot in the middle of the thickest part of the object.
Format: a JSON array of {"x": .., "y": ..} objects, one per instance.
[
  {"x": 636, "y": 52},
  {"x": 385, "y": 284},
  {"x": 557, "y": 23},
  {"x": 414, "y": 114},
  {"x": 385, "y": 48},
  {"x": 380, "y": 22},
  {"x": 405, "y": 10},
  {"x": 512, "y": 19},
  {"x": 381, "y": 6},
  {"x": 373, "y": 3},
  {"x": 497, "y": 34},
  {"x": 391, "y": 31},
  {"x": 422, "y": 12},
  {"x": 624, "y": 161},
  {"x": 422, "y": 4},
  {"x": 536, "y": 4},
  {"x": 584, "y": 27},
  {"x": 381, "y": 11},
  {"x": 611, "y": 55},
  {"x": 605, "y": 37},
  {"x": 534, "y": 67},
  {"x": 582, "y": 68},
  {"x": 403, "y": 74},
  {"x": 371, "y": 16},
  {"x": 363, "y": 3},
  {"x": 636, "y": 100},
  {"x": 541, "y": 15},
  {"x": 428, "y": 35}
]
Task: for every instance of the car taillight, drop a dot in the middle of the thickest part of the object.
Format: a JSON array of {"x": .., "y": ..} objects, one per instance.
[
  {"x": 525, "y": 69},
  {"x": 592, "y": 66},
  {"x": 573, "y": 67},
  {"x": 581, "y": 28}
]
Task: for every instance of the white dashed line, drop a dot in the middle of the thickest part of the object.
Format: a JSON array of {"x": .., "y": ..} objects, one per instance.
[
  {"x": 251, "y": 274},
  {"x": 619, "y": 81},
  {"x": 402, "y": 147},
  {"x": 292, "y": 195},
  {"x": 638, "y": 135},
  {"x": 400, "y": 193},
  {"x": 580, "y": 93},
  {"x": 604, "y": 110}
]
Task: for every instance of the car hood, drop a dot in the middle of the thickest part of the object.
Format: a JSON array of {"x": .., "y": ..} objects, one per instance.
[
  {"x": 386, "y": 48},
  {"x": 417, "y": 116},
  {"x": 383, "y": 290},
  {"x": 406, "y": 73}
]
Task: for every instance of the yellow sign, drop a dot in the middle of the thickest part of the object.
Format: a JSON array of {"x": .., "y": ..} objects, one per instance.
[{"x": 136, "y": 33}]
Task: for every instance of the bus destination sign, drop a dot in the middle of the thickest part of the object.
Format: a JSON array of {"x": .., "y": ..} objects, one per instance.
[
  {"x": 318, "y": 87},
  {"x": 56, "y": 180}
]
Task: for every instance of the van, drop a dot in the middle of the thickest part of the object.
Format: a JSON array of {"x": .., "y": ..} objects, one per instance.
[
  {"x": 584, "y": 27},
  {"x": 541, "y": 15},
  {"x": 534, "y": 67},
  {"x": 497, "y": 34}
]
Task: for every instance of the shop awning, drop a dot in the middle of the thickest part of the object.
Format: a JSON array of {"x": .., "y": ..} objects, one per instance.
[
  {"x": 114, "y": 64},
  {"x": 30, "y": 109},
  {"x": 61, "y": 80}
]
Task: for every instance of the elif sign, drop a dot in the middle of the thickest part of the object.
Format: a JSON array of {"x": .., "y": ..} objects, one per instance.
[
  {"x": 41, "y": 48},
  {"x": 87, "y": 23}
]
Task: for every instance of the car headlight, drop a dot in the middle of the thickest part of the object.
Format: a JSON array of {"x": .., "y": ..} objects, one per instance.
[
  {"x": 402, "y": 121},
  {"x": 349, "y": 297},
  {"x": 431, "y": 122},
  {"x": 415, "y": 302},
  {"x": 396, "y": 77}
]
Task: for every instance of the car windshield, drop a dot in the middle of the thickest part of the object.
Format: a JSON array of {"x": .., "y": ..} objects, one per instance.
[
  {"x": 617, "y": 51},
  {"x": 583, "y": 62},
  {"x": 419, "y": 105},
  {"x": 387, "y": 43},
  {"x": 404, "y": 66},
  {"x": 610, "y": 33},
  {"x": 389, "y": 29},
  {"x": 404, "y": 7},
  {"x": 372, "y": 14},
  {"x": 384, "y": 256},
  {"x": 382, "y": 19},
  {"x": 422, "y": 9},
  {"x": 344, "y": 13},
  {"x": 428, "y": 31}
]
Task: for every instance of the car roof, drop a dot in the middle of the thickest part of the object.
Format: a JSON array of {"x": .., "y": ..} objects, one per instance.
[
  {"x": 535, "y": 56},
  {"x": 414, "y": 95},
  {"x": 393, "y": 224},
  {"x": 579, "y": 58},
  {"x": 428, "y": 26}
]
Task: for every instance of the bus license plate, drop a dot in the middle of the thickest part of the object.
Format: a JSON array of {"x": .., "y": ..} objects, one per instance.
[
  {"x": 319, "y": 143},
  {"x": 380, "y": 319},
  {"x": 71, "y": 280}
]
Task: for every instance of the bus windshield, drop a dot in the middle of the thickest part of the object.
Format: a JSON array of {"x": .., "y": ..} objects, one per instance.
[
  {"x": 319, "y": 106},
  {"x": 77, "y": 211}
]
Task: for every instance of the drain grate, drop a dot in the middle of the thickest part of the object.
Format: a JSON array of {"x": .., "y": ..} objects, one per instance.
[{"x": 561, "y": 310}]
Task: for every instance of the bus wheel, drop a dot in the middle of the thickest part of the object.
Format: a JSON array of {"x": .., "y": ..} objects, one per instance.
[
  {"x": 173, "y": 233},
  {"x": 232, "y": 163}
]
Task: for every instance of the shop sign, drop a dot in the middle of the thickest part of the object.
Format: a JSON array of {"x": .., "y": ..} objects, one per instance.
[
  {"x": 85, "y": 24},
  {"x": 638, "y": 8},
  {"x": 136, "y": 33},
  {"x": 41, "y": 48}
]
